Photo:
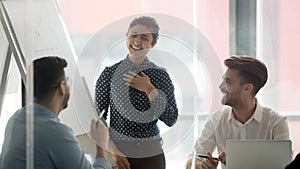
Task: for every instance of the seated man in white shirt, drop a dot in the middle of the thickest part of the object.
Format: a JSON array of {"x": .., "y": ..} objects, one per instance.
[{"x": 243, "y": 117}]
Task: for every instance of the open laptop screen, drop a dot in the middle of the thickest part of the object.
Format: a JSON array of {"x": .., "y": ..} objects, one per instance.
[{"x": 258, "y": 154}]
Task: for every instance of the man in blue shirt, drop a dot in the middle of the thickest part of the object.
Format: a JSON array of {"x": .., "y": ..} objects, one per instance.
[{"x": 55, "y": 146}]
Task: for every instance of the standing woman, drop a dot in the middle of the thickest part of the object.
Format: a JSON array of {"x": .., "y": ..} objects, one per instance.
[{"x": 137, "y": 93}]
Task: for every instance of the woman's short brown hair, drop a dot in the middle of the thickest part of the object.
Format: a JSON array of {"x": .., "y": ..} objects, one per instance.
[{"x": 150, "y": 23}]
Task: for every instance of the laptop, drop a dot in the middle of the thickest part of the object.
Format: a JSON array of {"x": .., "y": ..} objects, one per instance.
[{"x": 258, "y": 154}]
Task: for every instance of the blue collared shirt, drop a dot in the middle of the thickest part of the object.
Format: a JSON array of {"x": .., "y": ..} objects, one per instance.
[{"x": 55, "y": 146}]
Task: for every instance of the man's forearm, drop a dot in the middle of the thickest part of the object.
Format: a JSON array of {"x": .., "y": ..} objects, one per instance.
[{"x": 101, "y": 152}]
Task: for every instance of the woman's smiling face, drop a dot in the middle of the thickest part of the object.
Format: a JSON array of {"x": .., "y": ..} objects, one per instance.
[{"x": 139, "y": 40}]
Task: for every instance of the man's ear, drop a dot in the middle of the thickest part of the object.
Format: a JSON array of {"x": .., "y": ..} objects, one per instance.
[
  {"x": 62, "y": 88},
  {"x": 153, "y": 44},
  {"x": 248, "y": 88}
]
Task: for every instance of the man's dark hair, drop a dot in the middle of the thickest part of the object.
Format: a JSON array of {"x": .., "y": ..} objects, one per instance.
[
  {"x": 150, "y": 23},
  {"x": 251, "y": 70},
  {"x": 48, "y": 72}
]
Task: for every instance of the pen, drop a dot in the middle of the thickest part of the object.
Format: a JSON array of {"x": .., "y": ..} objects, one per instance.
[
  {"x": 100, "y": 116},
  {"x": 203, "y": 156}
]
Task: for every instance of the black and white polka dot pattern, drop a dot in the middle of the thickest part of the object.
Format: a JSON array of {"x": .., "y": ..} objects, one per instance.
[{"x": 132, "y": 115}]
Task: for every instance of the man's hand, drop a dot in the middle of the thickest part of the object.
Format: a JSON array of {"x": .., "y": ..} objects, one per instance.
[
  {"x": 99, "y": 133},
  {"x": 189, "y": 164},
  {"x": 119, "y": 158},
  {"x": 222, "y": 158},
  {"x": 121, "y": 162},
  {"x": 203, "y": 163},
  {"x": 209, "y": 163}
]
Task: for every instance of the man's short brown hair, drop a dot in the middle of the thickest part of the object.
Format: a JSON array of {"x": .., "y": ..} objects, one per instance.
[{"x": 250, "y": 69}]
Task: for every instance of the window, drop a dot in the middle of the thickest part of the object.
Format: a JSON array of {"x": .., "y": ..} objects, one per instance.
[
  {"x": 194, "y": 41},
  {"x": 278, "y": 34}
]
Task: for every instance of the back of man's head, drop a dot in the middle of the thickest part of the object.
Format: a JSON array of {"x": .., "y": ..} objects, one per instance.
[
  {"x": 48, "y": 72},
  {"x": 251, "y": 70}
]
